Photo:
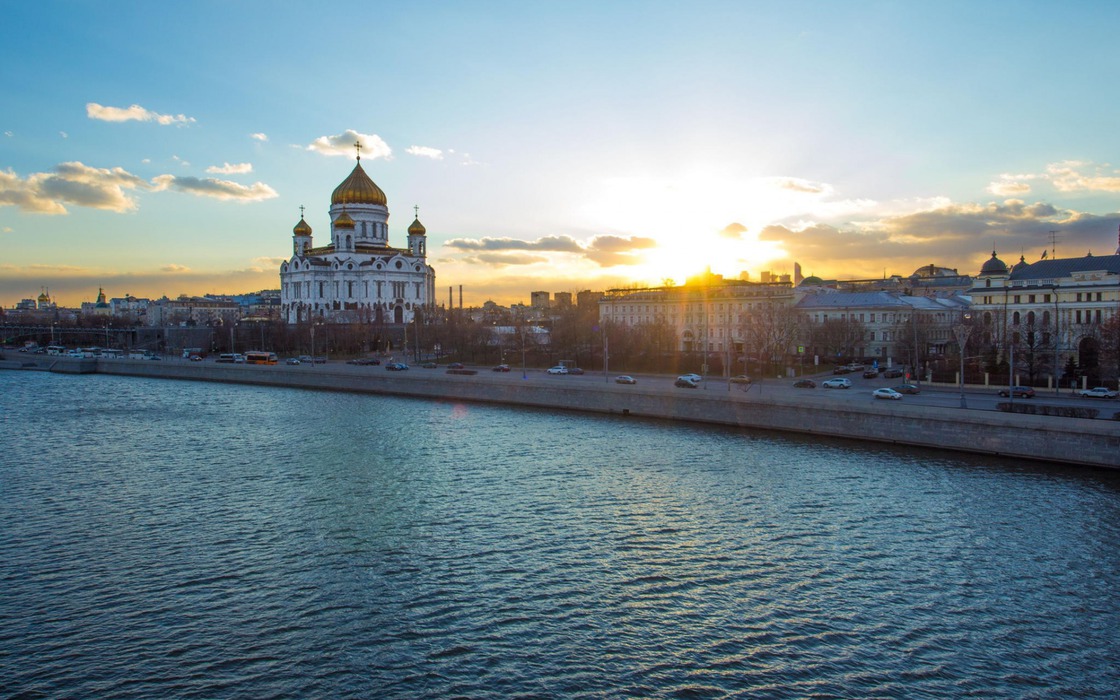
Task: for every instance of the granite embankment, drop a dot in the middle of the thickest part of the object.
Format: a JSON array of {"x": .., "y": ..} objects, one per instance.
[{"x": 1061, "y": 440}]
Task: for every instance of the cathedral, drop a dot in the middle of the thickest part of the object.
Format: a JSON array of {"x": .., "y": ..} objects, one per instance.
[{"x": 358, "y": 276}]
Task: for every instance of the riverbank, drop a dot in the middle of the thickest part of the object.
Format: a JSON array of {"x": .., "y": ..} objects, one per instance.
[{"x": 1075, "y": 441}]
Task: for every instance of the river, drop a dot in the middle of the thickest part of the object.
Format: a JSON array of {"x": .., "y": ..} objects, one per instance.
[{"x": 200, "y": 540}]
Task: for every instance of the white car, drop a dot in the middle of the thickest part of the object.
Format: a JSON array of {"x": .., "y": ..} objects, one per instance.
[
  {"x": 694, "y": 378},
  {"x": 886, "y": 394},
  {"x": 837, "y": 383},
  {"x": 625, "y": 379},
  {"x": 1099, "y": 392},
  {"x": 558, "y": 370}
]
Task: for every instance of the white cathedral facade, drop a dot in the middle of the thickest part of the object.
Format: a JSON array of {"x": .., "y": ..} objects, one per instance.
[{"x": 358, "y": 276}]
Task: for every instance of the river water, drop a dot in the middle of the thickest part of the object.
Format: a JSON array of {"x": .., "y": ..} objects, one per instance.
[{"x": 192, "y": 540}]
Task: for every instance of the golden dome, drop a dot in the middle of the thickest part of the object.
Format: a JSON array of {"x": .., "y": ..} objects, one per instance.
[
  {"x": 302, "y": 228},
  {"x": 358, "y": 189},
  {"x": 344, "y": 221},
  {"x": 417, "y": 228}
]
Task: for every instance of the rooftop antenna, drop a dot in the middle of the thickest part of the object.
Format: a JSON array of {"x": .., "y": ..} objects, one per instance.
[{"x": 1053, "y": 244}]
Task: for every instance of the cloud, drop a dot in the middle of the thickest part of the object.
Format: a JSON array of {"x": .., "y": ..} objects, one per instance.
[
  {"x": 8, "y": 134},
  {"x": 259, "y": 136},
  {"x": 734, "y": 231},
  {"x": 564, "y": 244},
  {"x": 343, "y": 145},
  {"x": 1067, "y": 177},
  {"x": 800, "y": 185},
  {"x": 7, "y": 229},
  {"x": 64, "y": 135},
  {"x": 425, "y": 152},
  {"x": 176, "y": 269},
  {"x": 71, "y": 183},
  {"x": 605, "y": 250},
  {"x": 215, "y": 189},
  {"x": 231, "y": 169},
  {"x": 133, "y": 113},
  {"x": 267, "y": 262}
]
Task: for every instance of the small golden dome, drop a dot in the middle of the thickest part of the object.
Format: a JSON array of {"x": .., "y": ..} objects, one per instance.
[
  {"x": 417, "y": 228},
  {"x": 358, "y": 189},
  {"x": 302, "y": 228},
  {"x": 344, "y": 221}
]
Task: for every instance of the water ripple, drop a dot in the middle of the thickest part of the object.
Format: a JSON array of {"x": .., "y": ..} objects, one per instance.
[{"x": 193, "y": 541}]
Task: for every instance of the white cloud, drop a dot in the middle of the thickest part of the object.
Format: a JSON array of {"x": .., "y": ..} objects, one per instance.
[
  {"x": 425, "y": 152},
  {"x": 133, "y": 113},
  {"x": 64, "y": 135},
  {"x": 7, "y": 229},
  {"x": 1067, "y": 177},
  {"x": 259, "y": 136},
  {"x": 216, "y": 189},
  {"x": 231, "y": 169},
  {"x": 173, "y": 268},
  {"x": 343, "y": 145},
  {"x": 8, "y": 134},
  {"x": 71, "y": 183}
]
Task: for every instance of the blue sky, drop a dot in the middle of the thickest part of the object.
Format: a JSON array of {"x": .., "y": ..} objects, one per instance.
[{"x": 165, "y": 148}]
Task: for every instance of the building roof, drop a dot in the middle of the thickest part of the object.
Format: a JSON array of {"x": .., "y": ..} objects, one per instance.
[
  {"x": 1065, "y": 267},
  {"x": 877, "y": 300}
]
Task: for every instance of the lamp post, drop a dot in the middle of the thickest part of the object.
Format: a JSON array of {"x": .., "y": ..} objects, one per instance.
[{"x": 962, "y": 331}]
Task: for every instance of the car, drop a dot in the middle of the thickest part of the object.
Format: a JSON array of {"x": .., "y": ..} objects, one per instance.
[
  {"x": 870, "y": 373},
  {"x": 396, "y": 366},
  {"x": 502, "y": 368},
  {"x": 842, "y": 369},
  {"x": 196, "y": 358},
  {"x": 894, "y": 374},
  {"x": 625, "y": 379},
  {"x": 885, "y": 393},
  {"x": 1099, "y": 392},
  {"x": 907, "y": 389},
  {"x": 293, "y": 361},
  {"x": 1018, "y": 392},
  {"x": 837, "y": 383},
  {"x": 557, "y": 370},
  {"x": 455, "y": 365},
  {"x": 364, "y": 361},
  {"x": 740, "y": 379},
  {"x": 692, "y": 377},
  {"x": 804, "y": 384},
  {"x": 685, "y": 383},
  {"x": 575, "y": 370},
  {"x": 429, "y": 365}
]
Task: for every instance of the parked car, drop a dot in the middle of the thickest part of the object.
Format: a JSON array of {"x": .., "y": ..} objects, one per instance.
[
  {"x": 804, "y": 384},
  {"x": 625, "y": 379},
  {"x": 894, "y": 374},
  {"x": 396, "y": 366},
  {"x": 870, "y": 373},
  {"x": 196, "y": 358},
  {"x": 741, "y": 379},
  {"x": 502, "y": 368},
  {"x": 1099, "y": 392},
  {"x": 885, "y": 393},
  {"x": 837, "y": 383},
  {"x": 575, "y": 370},
  {"x": 557, "y": 370},
  {"x": 293, "y": 361},
  {"x": 907, "y": 389},
  {"x": 685, "y": 383},
  {"x": 695, "y": 378},
  {"x": 1019, "y": 392}
]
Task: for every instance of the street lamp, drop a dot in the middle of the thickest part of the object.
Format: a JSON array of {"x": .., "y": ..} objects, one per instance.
[{"x": 962, "y": 331}]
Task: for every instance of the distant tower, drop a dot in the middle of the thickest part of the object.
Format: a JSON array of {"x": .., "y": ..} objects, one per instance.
[{"x": 797, "y": 274}]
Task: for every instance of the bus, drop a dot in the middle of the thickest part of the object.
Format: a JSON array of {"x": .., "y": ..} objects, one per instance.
[{"x": 260, "y": 358}]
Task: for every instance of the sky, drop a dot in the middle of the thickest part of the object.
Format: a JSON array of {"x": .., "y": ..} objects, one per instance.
[{"x": 153, "y": 148}]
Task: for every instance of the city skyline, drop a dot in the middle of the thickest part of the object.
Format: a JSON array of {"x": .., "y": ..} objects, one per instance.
[{"x": 160, "y": 150}]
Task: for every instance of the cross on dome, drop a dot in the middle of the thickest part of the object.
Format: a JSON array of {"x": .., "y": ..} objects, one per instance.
[{"x": 358, "y": 147}]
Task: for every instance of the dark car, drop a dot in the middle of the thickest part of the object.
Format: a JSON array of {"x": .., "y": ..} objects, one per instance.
[
  {"x": 805, "y": 384},
  {"x": 893, "y": 374},
  {"x": 575, "y": 370},
  {"x": 1019, "y": 392},
  {"x": 364, "y": 361},
  {"x": 907, "y": 389},
  {"x": 396, "y": 366},
  {"x": 685, "y": 383},
  {"x": 429, "y": 365},
  {"x": 870, "y": 373},
  {"x": 842, "y": 369},
  {"x": 455, "y": 365}
]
